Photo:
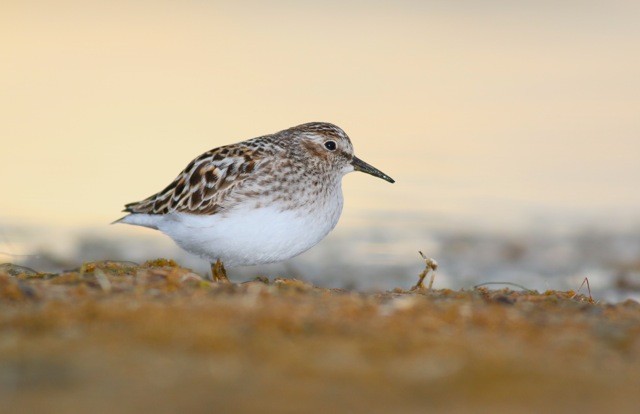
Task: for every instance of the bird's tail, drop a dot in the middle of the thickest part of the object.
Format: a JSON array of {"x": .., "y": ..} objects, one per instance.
[{"x": 144, "y": 220}]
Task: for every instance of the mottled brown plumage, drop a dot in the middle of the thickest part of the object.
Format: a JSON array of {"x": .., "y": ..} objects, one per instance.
[
  {"x": 220, "y": 177},
  {"x": 258, "y": 201}
]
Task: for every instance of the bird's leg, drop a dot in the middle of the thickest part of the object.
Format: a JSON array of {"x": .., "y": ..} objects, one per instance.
[{"x": 218, "y": 272}]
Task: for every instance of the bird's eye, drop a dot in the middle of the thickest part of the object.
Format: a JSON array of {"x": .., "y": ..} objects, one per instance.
[{"x": 330, "y": 145}]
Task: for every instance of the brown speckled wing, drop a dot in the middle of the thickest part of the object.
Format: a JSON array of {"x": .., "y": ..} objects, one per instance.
[{"x": 206, "y": 183}]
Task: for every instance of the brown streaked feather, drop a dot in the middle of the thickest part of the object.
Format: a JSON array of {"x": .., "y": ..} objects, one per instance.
[
  {"x": 204, "y": 185},
  {"x": 226, "y": 176}
]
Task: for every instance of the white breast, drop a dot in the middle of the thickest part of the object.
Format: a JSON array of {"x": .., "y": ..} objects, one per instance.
[{"x": 249, "y": 236}]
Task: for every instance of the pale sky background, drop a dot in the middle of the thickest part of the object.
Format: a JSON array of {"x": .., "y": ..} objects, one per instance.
[{"x": 491, "y": 113}]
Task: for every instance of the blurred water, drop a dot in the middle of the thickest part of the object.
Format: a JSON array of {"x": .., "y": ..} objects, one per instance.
[
  {"x": 512, "y": 132},
  {"x": 375, "y": 255}
]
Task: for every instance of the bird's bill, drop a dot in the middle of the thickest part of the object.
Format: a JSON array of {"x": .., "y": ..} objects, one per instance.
[{"x": 362, "y": 166}]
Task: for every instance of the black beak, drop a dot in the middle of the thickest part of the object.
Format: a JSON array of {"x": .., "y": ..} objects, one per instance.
[{"x": 360, "y": 165}]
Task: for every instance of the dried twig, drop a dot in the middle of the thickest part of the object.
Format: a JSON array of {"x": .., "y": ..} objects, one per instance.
[
  {"x": 430, "y": 266},
  {"x": 586, "y": 280},
  {"x": 505, "y": 283}
]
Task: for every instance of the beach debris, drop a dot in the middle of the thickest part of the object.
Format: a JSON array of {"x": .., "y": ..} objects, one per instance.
[
  {"x": 585, "y": 281},
  {"x": 16, "y": 270},
  {"x": 526, "y": 289},
  {"x": 430, "y": 266},
  {"x": 102, "y": 280}
]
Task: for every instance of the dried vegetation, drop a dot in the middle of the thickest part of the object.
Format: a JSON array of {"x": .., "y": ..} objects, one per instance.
[{"x": 118, "y": 337}]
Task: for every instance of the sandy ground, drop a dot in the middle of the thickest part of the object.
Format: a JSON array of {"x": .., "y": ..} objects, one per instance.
[{"x": 117, "y": 337}]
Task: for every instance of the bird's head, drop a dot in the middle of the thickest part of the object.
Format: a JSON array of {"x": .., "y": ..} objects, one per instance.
[{"x": 329, "y": 146}]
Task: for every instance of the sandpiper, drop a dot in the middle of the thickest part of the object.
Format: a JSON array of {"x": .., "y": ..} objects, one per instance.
[{"x": 258, "y": 201}]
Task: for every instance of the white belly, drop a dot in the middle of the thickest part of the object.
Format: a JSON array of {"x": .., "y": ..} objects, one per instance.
[{"x": 252, "y": 236}]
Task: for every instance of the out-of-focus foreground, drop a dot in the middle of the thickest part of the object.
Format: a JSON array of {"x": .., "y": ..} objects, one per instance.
[{"x": 117, "y": 337}]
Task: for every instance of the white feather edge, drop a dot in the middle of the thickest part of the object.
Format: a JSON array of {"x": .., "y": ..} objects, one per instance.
[{"x": 138, "y": 219}]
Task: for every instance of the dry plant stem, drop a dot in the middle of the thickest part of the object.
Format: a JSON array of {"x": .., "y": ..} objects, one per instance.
[
  {"x": 586, "y": 280},
  {"x": 524, "y": 288},
  {"x": 430, "y": 266},
  {"x": 219, "y": 273}
]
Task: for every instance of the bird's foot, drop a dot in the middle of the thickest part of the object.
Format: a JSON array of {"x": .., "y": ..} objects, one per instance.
[{"x": 219, "y": 273}]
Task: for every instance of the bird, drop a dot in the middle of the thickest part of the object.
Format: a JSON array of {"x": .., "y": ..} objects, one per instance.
[{"x": 259, "y": 201}]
